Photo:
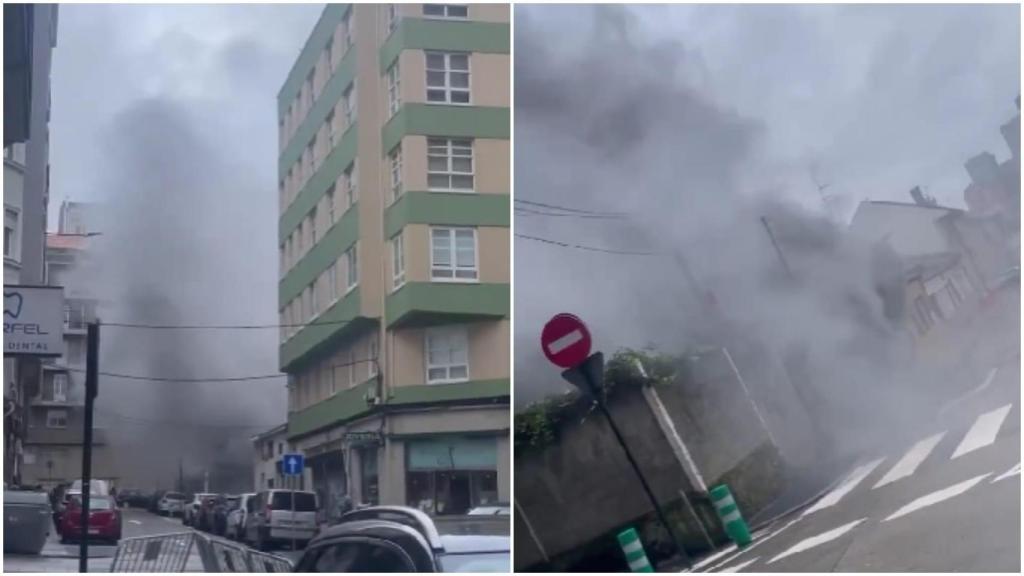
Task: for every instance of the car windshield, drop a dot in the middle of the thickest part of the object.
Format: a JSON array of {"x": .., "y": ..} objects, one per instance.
[
  {"x": 174, "y": 496},
  {"x": 304, "y": 501},
  {"x": 474, "y": 525},
  {"x": 476, "y": 562}
]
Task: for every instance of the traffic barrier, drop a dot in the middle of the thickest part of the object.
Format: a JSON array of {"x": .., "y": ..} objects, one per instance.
[
  {"x": 729, "y": 513},
  {"x": 160, "y": 553},
  {"x": 629, "y": 540},
  {"x": 225, "y": 556}
]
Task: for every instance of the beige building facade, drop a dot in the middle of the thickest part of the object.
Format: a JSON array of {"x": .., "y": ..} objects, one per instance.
[{"x": 394, "y": 254}]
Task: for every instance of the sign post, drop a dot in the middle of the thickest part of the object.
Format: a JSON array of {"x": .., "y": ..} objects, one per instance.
[
  {"x": 566, "y": 342},
  {"x": 293, "y": 465},
  {"x": 92, "y": 359}
]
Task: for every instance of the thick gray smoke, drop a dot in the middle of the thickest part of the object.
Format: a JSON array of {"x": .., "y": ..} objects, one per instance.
[
  {"x": 618, "y": 126},
  {"x": 188, "y": 238}
]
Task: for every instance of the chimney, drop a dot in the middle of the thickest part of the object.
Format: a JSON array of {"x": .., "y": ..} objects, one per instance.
[
  {"x": 920, "y": 198},
  {"x": 983, "y": 169}
]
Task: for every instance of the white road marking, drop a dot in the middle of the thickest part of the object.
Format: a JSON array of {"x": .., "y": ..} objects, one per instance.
[
  {"x": 936, "y": 497},
  {"x": 742, "y": 565},
  {"x": 565, "y": 341},
  {"x": 758, "y": 540},
  {"x": 136, "y": 522},
  {"x": 983, "y": 431},
  {"x": 851, "y": 482},
  {"x": 818, "y": 540},
  {"x": 911, "y": 460},
  {"x": 715, "y": 556},
  {"x": 988, "y": 380},
  {"x": 1015, "y": 471}
]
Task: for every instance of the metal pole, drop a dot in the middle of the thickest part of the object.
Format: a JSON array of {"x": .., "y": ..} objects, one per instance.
[
  {"x": 778, "y": 251},
  {"x": 92, "y": 357},
  {"x": 294, "y": 482},
  {"x": 636, "y": 468}
]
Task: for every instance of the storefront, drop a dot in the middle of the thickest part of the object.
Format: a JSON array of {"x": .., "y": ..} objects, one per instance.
[
  {"x": 451, "y": 474},
  {"x": 330, "y": 482}
]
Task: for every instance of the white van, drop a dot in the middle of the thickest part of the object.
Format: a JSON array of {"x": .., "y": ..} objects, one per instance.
[{"x": 275, "y": 519}]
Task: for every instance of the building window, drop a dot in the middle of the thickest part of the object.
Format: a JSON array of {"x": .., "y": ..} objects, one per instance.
[
  {"x": 56, "y": 418},
  {"x": 453, "y": 254},
  {"x": 332, "y": 282},
  {"x": 395, "y": 164},
  {"x": 450, "y": 164},
  {"x": 57, "y": 391},
  {"x": 350, "y": 105},
  {"x": 446, "y": 10},
  {"x": 351, "y": 184},
  {"x": 352, "y": 266},
  {"x": 349, "y": 30},
  {"x": 330, "y": 131},
  {"x": 394, "y": 89},
  {"x": 447, "y": 355},
  {"x": 448, "y": 77},
  {"x": 397, "y": 261},
  {"x": 330, "y": 206},
  {"x": 391, "y": 17},
  {"x": 10, "y": 233},
  {"x": 329, "y": 49},
  {"x": 312, "y": 227}
]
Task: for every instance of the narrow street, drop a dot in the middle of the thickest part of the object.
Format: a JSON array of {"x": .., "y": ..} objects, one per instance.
[
  {"x": 57, "y": 557},
  {"x": 948, "y": 501}
]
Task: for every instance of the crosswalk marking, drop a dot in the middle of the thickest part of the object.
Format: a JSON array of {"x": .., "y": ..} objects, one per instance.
[
  {"x": 911, "y": 460},
  {"x": 824, "y": 537},
  {"x": 1015, "y": 471},
  {"x": 742, "y": 565},
  {"x": 759, "y": 539},
  {"x": 851, "y": 482},
  {"x": 936, "y": 497},
  {"x": 983, "y": 431}
]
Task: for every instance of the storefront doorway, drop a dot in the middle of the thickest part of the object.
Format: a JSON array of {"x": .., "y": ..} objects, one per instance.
[{"x": 451, "y": 475}]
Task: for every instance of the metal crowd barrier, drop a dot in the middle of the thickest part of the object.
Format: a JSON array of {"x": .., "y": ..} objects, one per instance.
[
  {"x": 170, "y": 553},
  {"x": 160, "y": 553}
]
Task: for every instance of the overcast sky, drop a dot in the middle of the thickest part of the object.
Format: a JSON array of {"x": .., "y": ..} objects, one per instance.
[{"x": 227, "y": 60}]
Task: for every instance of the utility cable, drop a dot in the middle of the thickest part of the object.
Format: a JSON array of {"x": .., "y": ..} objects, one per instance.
[
  {"x": 567, "y": 209},
  {"x": 584, "y": 247}
]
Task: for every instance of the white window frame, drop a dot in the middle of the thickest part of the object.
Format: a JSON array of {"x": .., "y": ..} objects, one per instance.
[
  {"x": 329, "y": 121},
  {"x": 349, "y": 97},
  {"x": 391, "y": 17},
  {"x": 351, "y": 267},
  {"x": 347, "y": 24},
  {"x": 332, "y": 283},
  {"x": 352, "y": 184},
  {"x": 329, "y": 196},
  {"x": 57, "y": 419},
  {"x": 451, "y": 232},
  {"x": 397, "y": 261},
  {"x": 395, "y": 172},
  {"x": 449, "y": 157},
  {"x": 312, "y": 227},
  {"x": 447, "y": 70},
  {"x": 447, "y": 332},
  {"x": 446, "y": 15},
  {"x": 394, "y": 81},
  {"x": 63, "y": 379},
  {"x": 11, "y": 249}
]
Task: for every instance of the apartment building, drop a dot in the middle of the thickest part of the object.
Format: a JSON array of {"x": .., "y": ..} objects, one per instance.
[{"x": 394, "y": 294}]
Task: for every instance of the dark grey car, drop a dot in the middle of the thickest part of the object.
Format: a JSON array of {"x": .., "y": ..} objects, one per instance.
[{"x": 401, "y": 539}]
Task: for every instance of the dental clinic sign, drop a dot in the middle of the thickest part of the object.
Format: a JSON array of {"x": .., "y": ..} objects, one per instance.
[{"x": 33, "y": 320}]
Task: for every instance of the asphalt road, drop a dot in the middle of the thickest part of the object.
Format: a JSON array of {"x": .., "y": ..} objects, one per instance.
[{"x": 946, "y": 500}]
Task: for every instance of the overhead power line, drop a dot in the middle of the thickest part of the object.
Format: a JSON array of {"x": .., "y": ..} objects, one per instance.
[
  {"x": 567, "y": 209},
  {"x": 569, "y": 214},
  {"x": 180, "y": 423},
  {"x": 217, "y": 379},
  {"x": 584, "y": 247},
  {"x": 223, "y": 326}
]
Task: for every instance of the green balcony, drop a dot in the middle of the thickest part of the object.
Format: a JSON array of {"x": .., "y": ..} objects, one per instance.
[
  {"x": 338, "y": 409},
  {"x": 335, "y": 241},
  {"x": 446, "y": 120},
  {"x": 427, "y": 34},
  {"x": 338, "y": 322},
  {"x": 419, "y": 304},
  {"x": 446, "y": 209},
  {"x": 473, "y": 391}
]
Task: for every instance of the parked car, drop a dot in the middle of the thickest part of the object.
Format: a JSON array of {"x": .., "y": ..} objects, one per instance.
[
  {"x": 404, "y": 539},
  {"x": 104, "y": 519},
  {"x": 214, "y": 516},
  {"x": 498, "y": 509},
  {"x": 276, "y": 518},
  {"x": 238, "y": 516},
  {"x": 191, "y": 515},
  {"x": 171, "y": 504}
]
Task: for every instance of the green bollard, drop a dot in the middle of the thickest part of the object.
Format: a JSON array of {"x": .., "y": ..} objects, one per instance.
[
  {"x": 735, "y": 526},
  {"x": 629, "y": 540}
]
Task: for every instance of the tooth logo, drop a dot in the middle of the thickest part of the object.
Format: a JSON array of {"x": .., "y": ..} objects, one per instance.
[{"x": 12, "y": 304}]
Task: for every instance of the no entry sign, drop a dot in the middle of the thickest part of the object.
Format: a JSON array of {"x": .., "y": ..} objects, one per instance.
[{"x": 565, "y": 340}]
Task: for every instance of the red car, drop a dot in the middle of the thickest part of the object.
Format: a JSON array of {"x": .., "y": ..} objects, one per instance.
[{"x": 104, "y": 520}]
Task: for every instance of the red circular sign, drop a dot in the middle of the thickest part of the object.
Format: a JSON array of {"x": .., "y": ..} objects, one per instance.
[{"x": 565, "y": 340}]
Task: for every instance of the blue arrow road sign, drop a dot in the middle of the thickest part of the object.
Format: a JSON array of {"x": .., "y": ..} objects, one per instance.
[{"x": 293, "y": 464}]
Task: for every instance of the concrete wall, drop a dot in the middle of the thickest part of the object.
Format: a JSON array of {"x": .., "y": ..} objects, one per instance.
[{"x": 910, "y": 230}]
